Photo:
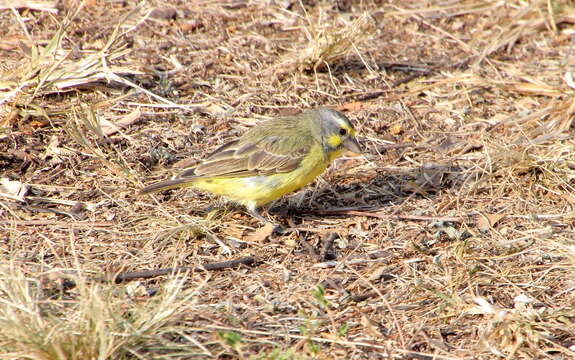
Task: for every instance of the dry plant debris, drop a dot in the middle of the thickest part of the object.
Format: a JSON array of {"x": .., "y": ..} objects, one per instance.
[
  {"x": 451, "y": 237},
  {"x": 44, "y": 5}
]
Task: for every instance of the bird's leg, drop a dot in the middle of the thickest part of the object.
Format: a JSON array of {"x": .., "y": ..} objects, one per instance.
[
  {"x": 278, "y": 229},
  {"x": 257, "y": 215}
]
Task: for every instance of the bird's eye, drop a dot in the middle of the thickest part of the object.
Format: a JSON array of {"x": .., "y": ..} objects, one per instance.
[{"x": 342, "y": 132}]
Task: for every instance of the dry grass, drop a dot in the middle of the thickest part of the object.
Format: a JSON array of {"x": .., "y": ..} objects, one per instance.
[
  {"x": 452, "y": 235},
  {"x": 41, "y": 319}
]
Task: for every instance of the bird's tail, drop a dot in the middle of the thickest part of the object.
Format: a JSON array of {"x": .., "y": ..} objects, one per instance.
[{"x": 167, "y": 185}]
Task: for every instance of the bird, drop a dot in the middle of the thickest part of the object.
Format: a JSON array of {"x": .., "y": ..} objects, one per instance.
[{"x": 270, "y": 160}]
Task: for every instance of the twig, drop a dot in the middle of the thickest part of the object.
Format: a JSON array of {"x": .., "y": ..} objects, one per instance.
[
  {"x": 56, "y": 223},
  {"x": 364, "y": 296},
  {"x": 248, "y": 260},
  {"x": 147, "y": 274},
  {"x": 310, "y": 249},
  {"x": 324, "y": 340},
  {"x": 407, "y": 79},
  {"x": 327, "y": 252},
  {"x": 386, "y": 304},
  {"x": 388, "y": 217}
]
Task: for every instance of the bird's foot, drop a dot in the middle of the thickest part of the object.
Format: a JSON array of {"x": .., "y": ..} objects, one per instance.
[{"x": 277, "y": 228}]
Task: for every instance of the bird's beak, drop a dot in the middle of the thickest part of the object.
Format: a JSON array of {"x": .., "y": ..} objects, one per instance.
[{"x": 352, "y": 145}]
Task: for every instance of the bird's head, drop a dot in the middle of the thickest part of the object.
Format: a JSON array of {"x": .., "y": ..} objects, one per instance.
[{"x": 335, "y": 131}]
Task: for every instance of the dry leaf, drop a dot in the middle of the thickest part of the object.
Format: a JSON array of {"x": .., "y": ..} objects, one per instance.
[
  {"x": 535, "y": 89},
  {"x": 488, "y": 221},
  {"x": 378, "y": 273},
  {"x": 395, "y": 129},
  {"x": 110, "y": 128},
  {"x": 569, "y": 197},
  {"x": 38, "y": 5},
  {"x": 432, "y": 175},
  {"x": 352, "y": 106},
  {"x": 36, "y": 124},
  {"x": 13, "y": 189},
  {"x": 8, "y": 116},
  {"x": 233, "y": 232},
  {"x": 370, "y": 327},
  {"x": 54, "y": 152},
  {"x": 412, "y": 187},
  {"x": 260, "y": 234}
]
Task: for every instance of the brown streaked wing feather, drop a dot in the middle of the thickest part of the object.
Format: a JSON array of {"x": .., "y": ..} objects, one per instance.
[
  {"x": 266, "y": 157},
  {"x": 224, "y": 149},
  {"x": 246, "y": 149},
  {"x": 191, "y": 172},
  {"x": 222, "y": 167},
  {"x": 263, "y": 160},
  {"x": 279, "y": 154}
]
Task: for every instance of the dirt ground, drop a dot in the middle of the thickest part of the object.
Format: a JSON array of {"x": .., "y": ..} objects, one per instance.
[{"x": 450, "y": 237}]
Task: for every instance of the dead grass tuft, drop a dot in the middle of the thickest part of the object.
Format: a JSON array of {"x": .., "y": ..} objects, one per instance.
[
  {"x": 89, "y": 321},
  {"x": 328, "y": 41},
  {"x": 522, "y": 329},
  {"x": 52, "y": 68}
]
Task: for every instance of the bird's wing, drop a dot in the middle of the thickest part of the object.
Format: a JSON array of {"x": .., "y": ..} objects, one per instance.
[{"x": 268, "y": 155}]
